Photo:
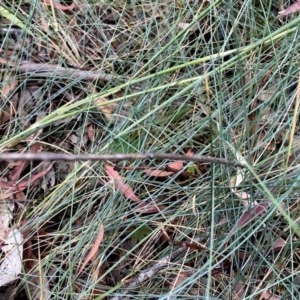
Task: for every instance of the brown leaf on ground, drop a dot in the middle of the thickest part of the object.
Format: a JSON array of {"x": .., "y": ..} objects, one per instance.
[
  {"x": 158, "y": 173},
  {"x": 250, "y": 215},
  {"x": 172, "y": 168},
  {"x": 179, "y": 278},
  {"x": 90, "y": 132},
  {"x": 59, "y": 6},
  {"x": 9, "y": 85},
  {"x": 4, "y": 185},
  {"x": 93, "y": 252},
  {"x": 176, "y": 166},
  {"x": 7, "y": 108},
  {"x": 239, "y": 291},
  {"x": 25, "y": 183},
  {"x": 266, "y": 295},
  {"x": 19, "y": 196},
  {"x": 17, "y": 167},
  {"x": 6, "y": 190},
  {"x": 278, "y": 244},
  {"x": 4, "y": 116},
  {"x": 190, "y": 153},
  {"x": 11, "y": 188},
  {"x": 107, "y": 108},
  {"x": 291, "y": 9},
  {"x": 123, "y": 187}
]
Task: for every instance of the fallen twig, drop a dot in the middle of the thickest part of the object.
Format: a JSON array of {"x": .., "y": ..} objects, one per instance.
[
  {"x": 149, "y": 273},
  {"x": 49, "y": 156},
  {"x": 47, "y": 70}
]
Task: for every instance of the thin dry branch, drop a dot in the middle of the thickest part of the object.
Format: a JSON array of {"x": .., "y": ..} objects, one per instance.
[
  {"x": 149, "y": 273},
  {"x": 49, "y": 156},
  {"x": 50, "y": 70}
]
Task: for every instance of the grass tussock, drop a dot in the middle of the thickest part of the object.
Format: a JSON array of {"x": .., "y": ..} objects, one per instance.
[{"x": 217, "y": 78}]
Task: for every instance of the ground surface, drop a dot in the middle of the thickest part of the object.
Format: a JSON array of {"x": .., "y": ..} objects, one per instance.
[{"x": 217, "y": 78}]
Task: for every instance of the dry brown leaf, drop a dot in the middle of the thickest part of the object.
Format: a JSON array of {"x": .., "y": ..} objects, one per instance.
[
  {"x": 190, "y": 153},
  {"x": 124, "y": 188},
  {"x": 5, "y": 194},
  {"x": 279, "y": 244},
  {"x": 176, "y": 166},
  {"x": 254, "y": 212},
  {"x": 17, "y": 167},
  {"x": 19, "y": 196},
  {"x": 291, "y": 9},
  {"x": 266, "y": 295},
  {"x": 239, "y": 291},
  {"x": 158, "y": 173},
  {"x": 59, "y": 6},
  {"x": 4, "y": 116},
  {"x": 90, "y": 132},
  {"x": 179, "y": 279},
  {"x": 93, "y": 252},
  {"x": 4, "y": 185},
  {"x": 173, "y": 167},
  {"x": 6, "y": 190},
  {"x": 105, "y": 107},
  {"x": 7, "y": 111},
  {"x": 25, "y": 183},
  {"x": 9, "y": 87}
]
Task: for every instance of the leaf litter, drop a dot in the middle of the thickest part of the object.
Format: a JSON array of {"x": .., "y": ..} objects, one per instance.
[
  {"x": 50, "y": 76},
  {"x": 295, "y": 7}
]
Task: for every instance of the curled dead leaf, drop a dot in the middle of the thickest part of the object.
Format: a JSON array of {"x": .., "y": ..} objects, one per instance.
[
  {"x": 123, "y": 187},
  {"x": 93, "y": 252},
  {"x": 291, "y": 9}
]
